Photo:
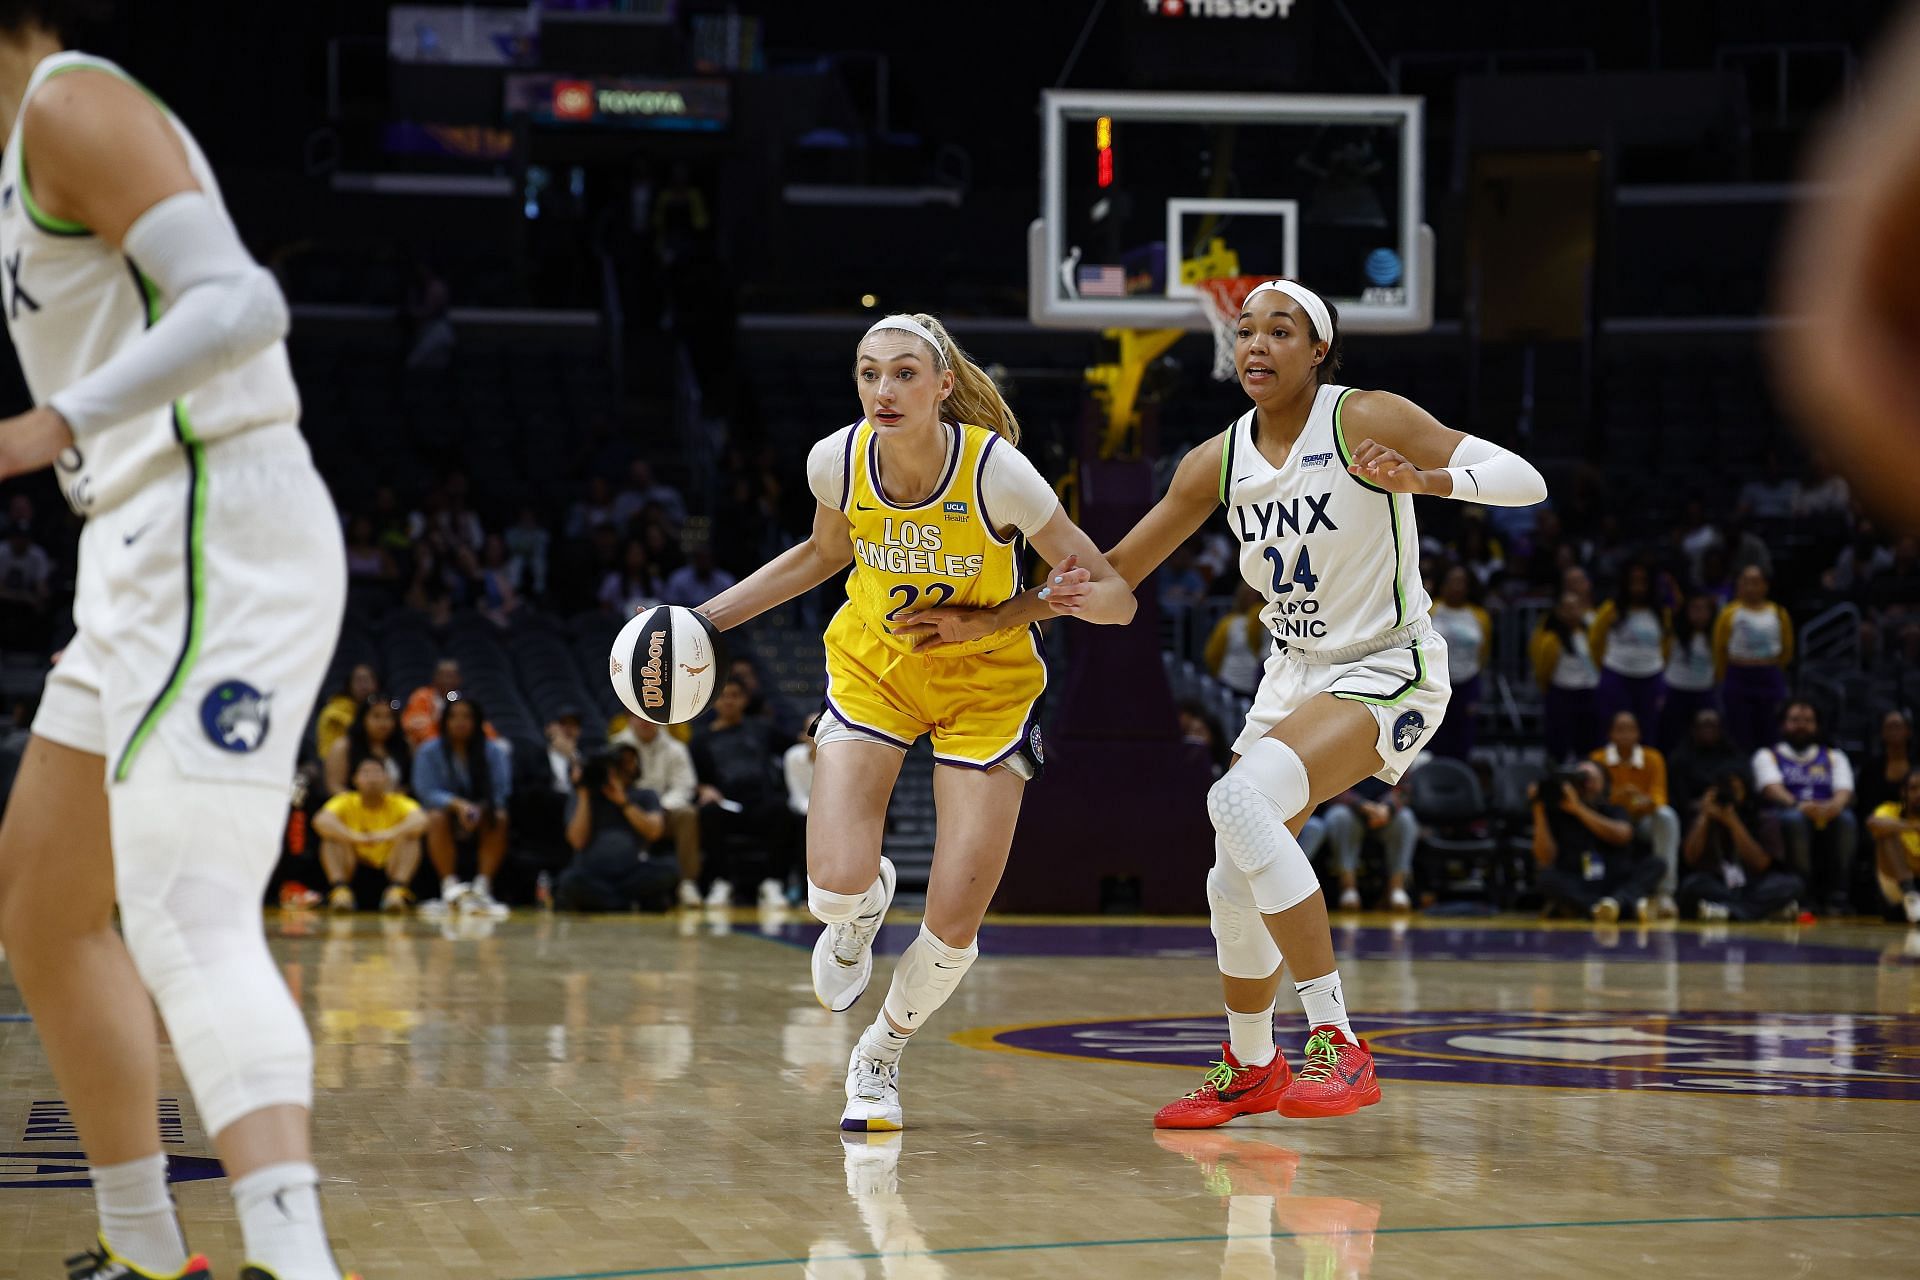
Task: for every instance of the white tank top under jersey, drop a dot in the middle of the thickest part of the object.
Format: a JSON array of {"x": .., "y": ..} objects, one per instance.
[
  {"x": 71, "y": 302},
  {"x": 1633, "y": 644},
  {"x": 1015, "y": 494},
  {"x": 1337, "y": 559},
  {"x": 1460, "y": 628},
  {"x": 1691, "y": 665}
]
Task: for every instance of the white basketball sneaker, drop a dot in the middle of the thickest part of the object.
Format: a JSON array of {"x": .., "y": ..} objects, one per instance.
[
  {"x": 843, "y": 953},
  {"x": 873, "y": 1095}
]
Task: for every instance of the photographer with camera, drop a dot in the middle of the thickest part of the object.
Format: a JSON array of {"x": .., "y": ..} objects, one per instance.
[
  {"x": 1730, "y": 875},
  {"x": 1584, "y": 848},
  {"x": 610, "y": 823}
]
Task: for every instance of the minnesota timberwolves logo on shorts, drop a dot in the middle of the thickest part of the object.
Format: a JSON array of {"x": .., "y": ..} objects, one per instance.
[
  {"x": 235, "y": 716},
  {"x": 1407, "y": 730}
]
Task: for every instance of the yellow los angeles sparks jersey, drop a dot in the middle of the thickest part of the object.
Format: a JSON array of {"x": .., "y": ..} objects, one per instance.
[{"x": 939, "y": 552}]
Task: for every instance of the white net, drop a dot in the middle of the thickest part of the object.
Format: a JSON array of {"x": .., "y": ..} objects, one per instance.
[{"x": 1222, "y": 298}]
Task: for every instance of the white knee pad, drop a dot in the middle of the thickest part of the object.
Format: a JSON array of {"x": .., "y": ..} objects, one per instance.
[
  {"x": 191, "y": 864},
  {"x": 927, "y": 974},
  {"x": 1250, "y": 807},
  {"x": 1240, "y": 937}
]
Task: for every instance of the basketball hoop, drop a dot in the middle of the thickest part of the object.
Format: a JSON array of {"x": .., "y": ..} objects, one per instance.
[{"x": 1222, "y": 299}]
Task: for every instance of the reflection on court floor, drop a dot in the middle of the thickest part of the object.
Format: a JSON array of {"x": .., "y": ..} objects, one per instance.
[{"x": 564, "y": 1097}]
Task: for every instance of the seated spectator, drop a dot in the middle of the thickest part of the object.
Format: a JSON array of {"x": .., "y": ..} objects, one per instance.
[
  {"x": 1468, "y": 632},
  {"x": 1730, "y": 874},
  {"x": 340, "y": 712},
  {"x": 1237, "y": 650},
  {"x": 563, "y": 750},
  {"x": 1374, "y": 809},
  {"x": 642, "y": 491},
  {"x": 1583, "y": 846},
  {"x": 26, "y": 587},
  {"x": 1894, "y": 829},
  {"x": 1702, "y": 760},
  {"x": 1637, "y": 783},
  {"x": 421, "y": 719},
  {"x": 527, "y": 544},
  {"x": 1809, "y": 787},
  {"x": 1563, "y": 666},
  {"x": 1630, "y": 639},
  {"x": 698, "y": 580},
  {"x": 1893, "y": 759},
  {"x": 762, "y": 702},
  {"x": 666, "y": 769},
  {"x": 495, "y": 593},
  {"x": 370, "y": 841},
  {"x": 373, "y": 735},
  {"x": 1752, "y": 645},
  {"x": 1690, "y": 674},
  {"x": 634, "y": 586},
  {"x": 741, "y": 801},
  {"x": 1199, "y": 728},
  {"x": 610, "y": 824},
  {"x": 594, "y": 511},
  {"x": 465, "y": 782}
]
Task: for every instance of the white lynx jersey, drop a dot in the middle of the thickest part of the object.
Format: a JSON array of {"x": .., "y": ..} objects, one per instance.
[
  {"x": 71, "y": 302},
  {"x": 1337, "y": 558}
]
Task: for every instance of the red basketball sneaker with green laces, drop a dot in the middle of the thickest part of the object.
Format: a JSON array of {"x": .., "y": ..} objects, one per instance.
[
  {"x": 1337, "y": 1079},
  {"x": 1228, "y": 1090}
]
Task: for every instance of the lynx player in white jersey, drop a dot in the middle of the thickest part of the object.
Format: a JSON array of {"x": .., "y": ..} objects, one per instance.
[
  {"x": 1316, "y": 481},
  {"x": 211, "y": 582}
]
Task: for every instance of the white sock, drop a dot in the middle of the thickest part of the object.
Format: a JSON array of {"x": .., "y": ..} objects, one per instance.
[
  {"x": 137, "y": 1216},
  {"x": 881, "y": 1041},
  {"x": 1250, "y": 1036},
  {"x": 1321, "y": 999},
  {"x": 280, "y": 1222}
]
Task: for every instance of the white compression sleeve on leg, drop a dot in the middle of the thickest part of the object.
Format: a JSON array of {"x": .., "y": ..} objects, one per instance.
[
  {"x": 1240, "y": 938},
  {"x": 1484, "y": 472},
  {"x": 927, "y": 974},
  {"x": 1250, "y": 807},
  {"x": 219, "y": 307},
  {"x": 191, "y": 863}
]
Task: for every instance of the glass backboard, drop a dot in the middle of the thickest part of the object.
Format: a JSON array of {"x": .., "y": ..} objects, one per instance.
[{"x": 1143, "y": 193}]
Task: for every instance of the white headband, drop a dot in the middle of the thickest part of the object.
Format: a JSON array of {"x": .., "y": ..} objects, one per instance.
[
  {"x": 914, "y": 327},
  {"x": 1309, "y": 302}
]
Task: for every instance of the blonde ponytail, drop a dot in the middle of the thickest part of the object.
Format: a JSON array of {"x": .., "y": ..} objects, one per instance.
[{"x": 975, "y": 399}]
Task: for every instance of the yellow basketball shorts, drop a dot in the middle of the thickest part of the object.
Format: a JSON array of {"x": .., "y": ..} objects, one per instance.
[{"x": 980, "y": 708}]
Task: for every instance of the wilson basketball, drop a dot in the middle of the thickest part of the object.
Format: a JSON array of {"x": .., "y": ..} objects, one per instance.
[{"x": 666, "y": 664}]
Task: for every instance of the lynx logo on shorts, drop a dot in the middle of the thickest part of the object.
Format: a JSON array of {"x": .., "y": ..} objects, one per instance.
[
  {"x": 1407, "y": 730},
  {"x": 236, "y": 716}
]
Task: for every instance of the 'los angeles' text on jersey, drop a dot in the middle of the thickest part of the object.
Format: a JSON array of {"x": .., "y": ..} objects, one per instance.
[{"x": 1336, "y": 558}]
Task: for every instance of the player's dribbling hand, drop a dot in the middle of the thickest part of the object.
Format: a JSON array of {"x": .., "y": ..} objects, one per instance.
[
  {"x": 31, "y": 441},
  {"x": 1386, "y": 469}
]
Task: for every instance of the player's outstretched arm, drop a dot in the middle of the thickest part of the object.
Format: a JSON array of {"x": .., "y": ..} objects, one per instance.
[
  {"x": 795, "y": 571},
  {"x": 1405, "y": 449},
  {"x": 1192, "y": 497},
  {"x": 106, "y": 157}
]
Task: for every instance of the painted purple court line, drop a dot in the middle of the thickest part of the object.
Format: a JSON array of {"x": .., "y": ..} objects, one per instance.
[{"x": 1486, "y": 944}]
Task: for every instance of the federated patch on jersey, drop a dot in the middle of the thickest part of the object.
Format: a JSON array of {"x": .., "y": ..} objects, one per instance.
[
  {"x": 1407, "y": 730},
  {"x": 236, "y": 716}
]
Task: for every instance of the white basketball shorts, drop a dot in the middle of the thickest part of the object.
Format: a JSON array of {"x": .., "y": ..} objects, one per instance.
[
  {"x": 1405, "y": 687},
  {"x": 208, "y": 607}
]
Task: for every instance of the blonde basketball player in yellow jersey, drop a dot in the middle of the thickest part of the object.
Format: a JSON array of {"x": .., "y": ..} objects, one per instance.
[{"x": 928, "y": 498}]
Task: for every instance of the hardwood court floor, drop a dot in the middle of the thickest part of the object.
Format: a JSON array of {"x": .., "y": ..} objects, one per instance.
[{"x": 658, "y": 1097}]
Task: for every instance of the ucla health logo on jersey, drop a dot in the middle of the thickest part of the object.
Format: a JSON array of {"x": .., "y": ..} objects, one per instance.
[
  {"x": 1801, "y": 1055},
  {"x": 236, "y": 715}
]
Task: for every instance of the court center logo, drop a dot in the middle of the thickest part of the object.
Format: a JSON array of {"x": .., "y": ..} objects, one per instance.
[
  {"x": 236, "y": 716},
  {"x": 1802, "y": 1055}
]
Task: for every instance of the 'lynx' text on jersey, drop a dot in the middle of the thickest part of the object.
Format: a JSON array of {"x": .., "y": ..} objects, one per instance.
[{"x": 1336, "y": 557}]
